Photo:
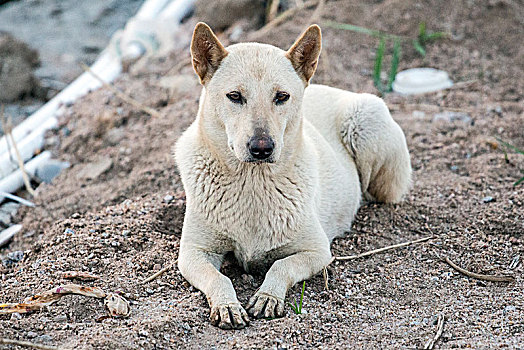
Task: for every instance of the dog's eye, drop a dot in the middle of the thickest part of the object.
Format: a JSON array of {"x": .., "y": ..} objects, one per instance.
[
  {"x": 281, "y": 97},
  {"x": 235, "y": 97}
]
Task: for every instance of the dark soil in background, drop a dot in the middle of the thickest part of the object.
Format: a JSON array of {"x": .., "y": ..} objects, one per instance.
[{"x": 125, "y": 224}]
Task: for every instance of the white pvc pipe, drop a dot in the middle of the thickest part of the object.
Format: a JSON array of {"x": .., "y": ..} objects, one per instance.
[
  {"x": 29, "y": 135},
  {"x": 8, "y": 233},
  {"x": 15, "y": 180},
  {"x": 177, "y": 10},
  {"x": 26, "y": 147},
  {"x": 151, "y": 8}
]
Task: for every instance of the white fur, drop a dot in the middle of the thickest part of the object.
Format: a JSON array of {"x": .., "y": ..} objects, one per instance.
[{"x": 332, "y": 146}]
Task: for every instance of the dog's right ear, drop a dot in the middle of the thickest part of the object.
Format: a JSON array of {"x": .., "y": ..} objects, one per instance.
[
  {"x": 206, "y": 51},
  {"x": 305, "y": 51}
]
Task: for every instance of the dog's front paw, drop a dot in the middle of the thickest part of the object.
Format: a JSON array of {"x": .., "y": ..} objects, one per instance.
[
  {"x": 262, "y": 305},
  {"x": 229, "y": 316}
]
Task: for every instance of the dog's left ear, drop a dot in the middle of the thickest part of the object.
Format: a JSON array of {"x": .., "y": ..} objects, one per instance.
[
  {"x": 305, "y": 51},
  {"x": 206, "y": 51}
]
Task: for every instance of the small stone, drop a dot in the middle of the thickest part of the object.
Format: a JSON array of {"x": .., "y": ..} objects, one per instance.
[
  {"x": 50, "y": 169},
  {"x": 60, "y": 318},
  {"x": 168, "y": 198},
  {"x": 66, "y": 131},
  {"x": 143, "y": 333},
  {"x": 69, "y": 231},
  {"x": 12, "y": 258},
  {"x": 15, "y": 316},
  {"x": 248, "y": 279},
  {"x": 8, "y": 212},
  {"x": 418, "y": 114},
  {"x": 453, "y": 168},
  {"x": 45, "y": 338},
  {"x": 5, "y": 218},
  {"x": 452, "y": 117},
  {"x": 510, "y": 308},
  {"x": 32, "y": 334},
  {"x": 95, "y": 169},
  {"x": 488, "y": 199},
  {"x": 114, "y": 136}
]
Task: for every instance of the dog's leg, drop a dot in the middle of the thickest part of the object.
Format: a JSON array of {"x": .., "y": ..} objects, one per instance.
[
  {"x": 201, "y": 269},
  {"x": 268, "y": 301},
  {"x": 378, "y": 146}
]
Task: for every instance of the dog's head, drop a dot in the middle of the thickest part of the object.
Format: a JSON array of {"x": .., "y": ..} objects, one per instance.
[{"x": 253, "y": 92}]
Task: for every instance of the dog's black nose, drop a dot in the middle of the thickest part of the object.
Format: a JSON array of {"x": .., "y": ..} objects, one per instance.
[{"x": 261, "y": 147}]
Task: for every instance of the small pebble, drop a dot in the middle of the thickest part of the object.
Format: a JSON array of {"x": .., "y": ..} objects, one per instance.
[
  {"x": 44, "y": 338},
  {"x": 510, "y": 308},
  {"x": 418, "y": 114},
  {"x": 15, "y": 316},
  {"x": 488, "y": 199},
  {"x": 12, "y": 258},
  {"x": 168, "y": 198},
  {"x": 32, "y": 334},
  {"x": 69, "y": 231},
  {"x": 60, "y": 318}
]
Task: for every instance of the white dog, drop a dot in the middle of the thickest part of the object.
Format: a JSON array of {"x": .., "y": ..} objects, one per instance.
[{"x": 274, "y": 170}]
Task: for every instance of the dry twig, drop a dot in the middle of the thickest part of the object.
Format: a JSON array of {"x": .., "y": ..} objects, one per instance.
[
  {"x": 317, "y": 14},
  {"x": 158, "y": 273},
  {"x": 440, "y": 328},
  {"x": 6, "y": 125},
  {"x": 285, "y": 15},
  {"x": 430, "y": 108},
  {"x": 380, "y": 250},
  {"x": 478, "y": 276},
  {"x": 27, "y": 344},
  {"x": 121, "y": 95},
  {"x": 272, "y": 10},
  {"x": 326, "y": 278}
]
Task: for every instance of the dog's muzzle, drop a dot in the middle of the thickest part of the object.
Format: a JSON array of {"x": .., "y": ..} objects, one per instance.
[{"x": 261, "y": 147}]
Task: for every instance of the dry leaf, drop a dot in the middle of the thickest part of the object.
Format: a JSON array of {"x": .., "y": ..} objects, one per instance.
[
  {"x": 84, "y": 276},
  {"x": 36, "y": 302}
]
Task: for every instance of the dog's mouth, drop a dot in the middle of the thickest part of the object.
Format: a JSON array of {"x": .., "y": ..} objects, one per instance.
[{"x": 260, "y": 161}]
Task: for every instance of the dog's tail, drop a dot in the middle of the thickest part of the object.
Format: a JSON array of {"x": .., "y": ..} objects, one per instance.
[{"x": 378, "y": 146}]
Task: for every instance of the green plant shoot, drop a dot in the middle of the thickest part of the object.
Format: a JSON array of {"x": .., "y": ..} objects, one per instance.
[{"x": 297, "y": 308}]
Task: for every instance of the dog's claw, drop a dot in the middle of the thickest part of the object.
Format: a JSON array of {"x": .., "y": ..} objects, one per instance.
[
  {"x": 263, "y": 305},
  {"x": 229, "y": 316}
]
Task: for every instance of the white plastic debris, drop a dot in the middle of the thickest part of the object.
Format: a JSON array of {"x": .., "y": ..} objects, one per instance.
[
  {"x": 8, "y": 233},
  {"x": 14, "y": 181},
  {"x": 420, "y": 81}
]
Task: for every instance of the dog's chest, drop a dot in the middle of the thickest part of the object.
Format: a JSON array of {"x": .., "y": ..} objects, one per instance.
[{"x": 257, "y": 210}]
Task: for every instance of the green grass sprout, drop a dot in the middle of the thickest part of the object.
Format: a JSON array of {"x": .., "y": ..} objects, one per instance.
[
  {"x": 378, "y": 63},
  {"x": 297, "y": 308},
  {"x": 419, "y": 44},
  {"x": 394, "y": 65}
]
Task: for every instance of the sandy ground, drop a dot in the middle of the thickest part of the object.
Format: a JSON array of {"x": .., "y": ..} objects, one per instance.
[{"x": 124, "y": 223}]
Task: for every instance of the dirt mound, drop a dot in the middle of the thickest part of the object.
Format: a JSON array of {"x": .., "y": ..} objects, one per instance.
[
  {"x": 124, "y": 223},
  {"x": 17, "y": 62}
]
